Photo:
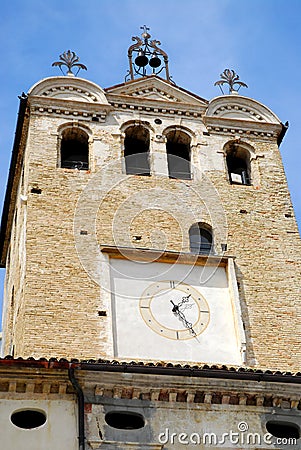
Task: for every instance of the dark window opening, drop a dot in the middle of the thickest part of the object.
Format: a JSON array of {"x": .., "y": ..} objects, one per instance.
[
  {"x": 28, "y": 419},
  {"x": 36, "y": 191},
  {"x": 283, "y": 429},
  {"x": 178, "y": 155},
  {"x": 200, "y": 239},
  {"x": 74, "y": 149},
  {"x": 136, "y": 150},
  {"x": 125, "y": 420},
  {"x": 238, "y": 163}
]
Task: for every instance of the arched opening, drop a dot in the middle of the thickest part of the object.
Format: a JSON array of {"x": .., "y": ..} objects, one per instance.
[
  {"x": 74, "y": 149},
  {"x": 136, "y": 150},
  {"x": 178, "y": 154},
  {"x": 238, "y": 164},
  {"x": 200, "y": 237}
]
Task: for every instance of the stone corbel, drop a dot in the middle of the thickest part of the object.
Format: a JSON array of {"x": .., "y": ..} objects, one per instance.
[
  {"x": 242, "y": 399},
  {"x": 225, "y": 399},
  {"x": 208, "y": 398},
  {"x": 294, "y": 402},
  {"x": 190, "y": 397},
  {"x": 172, "y": 396},
  {"x": 154, "y": 395},
  {"x": 117, "y": 392},
  {"x": 99, "y": 390},
  {"x": 259, "y": 400}
]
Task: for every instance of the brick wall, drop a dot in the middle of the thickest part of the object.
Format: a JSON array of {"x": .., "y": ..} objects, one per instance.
[{"x": 57, "y": 305}]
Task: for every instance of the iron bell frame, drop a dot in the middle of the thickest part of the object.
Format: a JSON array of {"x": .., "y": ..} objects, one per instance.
[{"x": 146, "y": 48}]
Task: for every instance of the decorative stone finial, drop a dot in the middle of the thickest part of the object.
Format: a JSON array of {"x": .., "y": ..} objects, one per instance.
[
  {"x": 69, "y": 59},
  {"x": 231, "y": 78}
]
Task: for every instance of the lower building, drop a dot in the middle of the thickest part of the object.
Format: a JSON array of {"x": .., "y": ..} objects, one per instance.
[{"x": 114, "y": 405}]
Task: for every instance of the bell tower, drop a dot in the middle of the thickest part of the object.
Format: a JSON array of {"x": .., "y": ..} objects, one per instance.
[{"x": 152, "y": 230}]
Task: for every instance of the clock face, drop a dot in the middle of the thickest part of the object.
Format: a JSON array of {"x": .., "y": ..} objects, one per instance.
[
  {"x": 185, "y": 319},
  {"x": 174, "y": 310}
]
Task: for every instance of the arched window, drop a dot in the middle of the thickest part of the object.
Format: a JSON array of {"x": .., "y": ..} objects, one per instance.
[
  {"x": 238, "y": 164},
  {"x": 178, "y": 154},
  {"x": 136, "y": 150},
  {"x": 200, "y": 236},
  {"x": 74, "y": 149}
]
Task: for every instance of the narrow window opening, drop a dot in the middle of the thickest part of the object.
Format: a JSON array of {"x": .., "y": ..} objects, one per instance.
[
  {"x": 74, "y": 149},
  {"x": 224, "y": 247},
  {"x": 136, "y": 150},
  {"x": 28, "y": 419},
  {"x": 200, "y": 237},
  {"x": 238, "y": 163},
  {"x": 283, "y": 429},
  {"x": 178, "y": 155},
  {"x": 36, "y": 191},
  {"x": 125, "y": 420}
]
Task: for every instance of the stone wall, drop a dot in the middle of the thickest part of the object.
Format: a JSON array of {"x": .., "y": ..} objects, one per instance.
[{"x": 57, "y": 309}]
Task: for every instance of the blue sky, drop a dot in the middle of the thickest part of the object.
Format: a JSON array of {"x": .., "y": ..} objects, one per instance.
[{"x": 260, "y": 39}]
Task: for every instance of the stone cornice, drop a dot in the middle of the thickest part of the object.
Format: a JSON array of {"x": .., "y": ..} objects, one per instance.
[
  {"x": 126, "y": 102},
  {"x": 103, "y": 386},
  {"x": 184, "y": 390},
  {"x": 29, "y": 381},
  {"x": 234, "y": 127},
  {"x": 165, "y": 256},
  {"x": 209, "y": 386},
  {"x": 69, "y": 108}
]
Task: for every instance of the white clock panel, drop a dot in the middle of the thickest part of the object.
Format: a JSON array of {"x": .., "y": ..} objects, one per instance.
[{"x": 165, "y": 312}]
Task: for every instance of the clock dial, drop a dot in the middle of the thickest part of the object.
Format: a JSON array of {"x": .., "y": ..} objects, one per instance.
[
  {"x": 171, "y": 321},
  {"x": 174, "y": 310}
]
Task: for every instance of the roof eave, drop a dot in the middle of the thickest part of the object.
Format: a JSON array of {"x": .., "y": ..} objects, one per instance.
[{"x": 200, "y": 371}]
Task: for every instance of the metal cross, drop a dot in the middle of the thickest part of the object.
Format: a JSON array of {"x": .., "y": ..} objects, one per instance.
[{"x": 145, "y": 28}]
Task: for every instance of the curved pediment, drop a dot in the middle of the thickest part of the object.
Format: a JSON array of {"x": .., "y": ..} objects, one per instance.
[
  {"x": 69, "y": 88},
  {"x": 240, "y": 108}
]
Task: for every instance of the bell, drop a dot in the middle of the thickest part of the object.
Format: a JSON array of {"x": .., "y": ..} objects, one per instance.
[
  {"x": 155, "y": 61},
  {"x": 141, "y": 60}
]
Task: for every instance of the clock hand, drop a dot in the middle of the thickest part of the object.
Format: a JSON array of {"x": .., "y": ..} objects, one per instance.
[
  {"x": 175, "y": 308},
  {"x": 187, "y": 305},
  {"x": 181, "y": 316},
  {"x": 184, "y": 300}
]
